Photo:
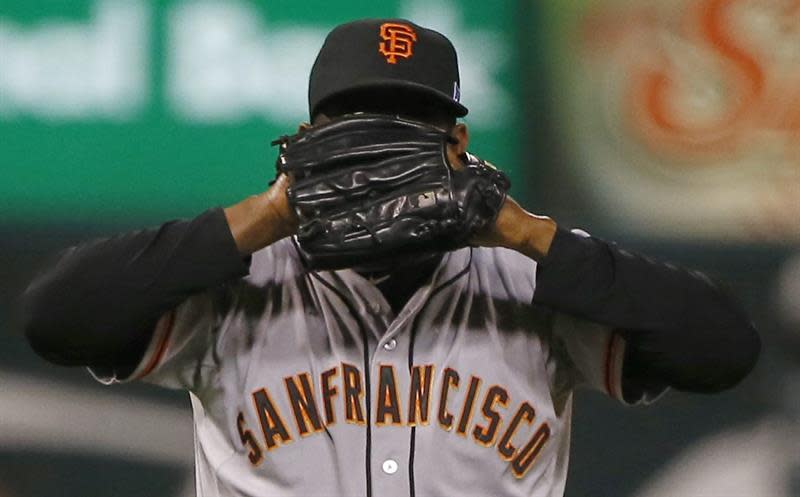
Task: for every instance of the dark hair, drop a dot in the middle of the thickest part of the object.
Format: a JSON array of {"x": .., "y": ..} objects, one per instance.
[{"x": 391, "y": 101}]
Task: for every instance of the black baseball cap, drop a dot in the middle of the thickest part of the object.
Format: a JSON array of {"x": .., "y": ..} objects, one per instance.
[{"x": 386, "y": 54}]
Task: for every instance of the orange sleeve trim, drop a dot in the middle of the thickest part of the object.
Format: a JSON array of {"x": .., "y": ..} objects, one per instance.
[
  {"x": 611, "y": 354},
  {"x": 162, "y": 347}
]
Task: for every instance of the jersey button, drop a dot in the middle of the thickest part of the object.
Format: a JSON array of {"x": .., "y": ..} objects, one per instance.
[
  {"x": 390, "y": 345},
  {"x": 390, "y": 466},
  {"x": 376, "y": 307}
]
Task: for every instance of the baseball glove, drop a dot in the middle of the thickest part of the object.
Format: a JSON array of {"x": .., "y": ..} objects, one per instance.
[{"x": 369, "y": 188}]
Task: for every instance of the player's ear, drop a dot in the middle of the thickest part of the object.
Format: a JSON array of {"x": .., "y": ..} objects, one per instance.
[
  {"x": 461, "y": 133},
  {"x": 456, "y": 150}
]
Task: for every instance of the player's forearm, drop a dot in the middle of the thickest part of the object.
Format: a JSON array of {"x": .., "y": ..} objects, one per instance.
[
  {"x": 518, "y": 229},
  {"x": 97, "y": 302},
  {"x": 261, "y": 220},
  {"x": 682, "y": 328}
]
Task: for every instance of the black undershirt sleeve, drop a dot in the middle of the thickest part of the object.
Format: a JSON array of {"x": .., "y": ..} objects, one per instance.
[
  {"x": 681, "y": 329},
  {"x": 98, "y": 305}
]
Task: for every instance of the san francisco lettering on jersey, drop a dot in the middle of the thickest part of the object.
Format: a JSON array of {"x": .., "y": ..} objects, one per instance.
[{"x": 487, "y": 416}]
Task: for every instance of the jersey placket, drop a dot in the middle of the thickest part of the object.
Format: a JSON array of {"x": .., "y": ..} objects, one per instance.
[
  {"x": 390, "y": 368},
  {"x": 389, "y": 372},
  {"x": 390, "y": 381},
  {"x": 390, "y": 440}
]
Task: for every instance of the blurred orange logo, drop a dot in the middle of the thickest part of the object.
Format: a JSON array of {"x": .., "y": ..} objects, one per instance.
[
  {"x": 398, "y": 41},
  {"x": 704, "y": 80},
  {"x": 701, "y": 98}
]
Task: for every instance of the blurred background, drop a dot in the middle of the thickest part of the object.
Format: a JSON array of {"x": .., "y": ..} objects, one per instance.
[{"x": 672, "y": 127}]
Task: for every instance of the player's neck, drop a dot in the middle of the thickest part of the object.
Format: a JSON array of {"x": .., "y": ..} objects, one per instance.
[{"x": 399, "y": 284}]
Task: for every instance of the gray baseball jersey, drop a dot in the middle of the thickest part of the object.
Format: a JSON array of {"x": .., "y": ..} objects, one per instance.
[{"x": 307, "y": 384}]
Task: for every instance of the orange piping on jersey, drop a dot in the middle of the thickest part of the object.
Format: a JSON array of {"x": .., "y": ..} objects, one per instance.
[
  {"x": 610, "y": 363},
  {"x": 162, "y": 347}
]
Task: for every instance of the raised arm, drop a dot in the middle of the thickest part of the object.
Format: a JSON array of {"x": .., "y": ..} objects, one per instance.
[
  {"x": 682, "y": 330},
  {"x": 98, "y": 305}
]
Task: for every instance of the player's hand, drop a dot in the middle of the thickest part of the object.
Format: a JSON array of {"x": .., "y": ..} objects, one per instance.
[
  {"x": 403, "y": 197},
  {"x": 262, "y": 219},
  {"x": 517, "y": 229},
  {"x": 278, "y": 201},
  {"x": 502, "y": 233}
]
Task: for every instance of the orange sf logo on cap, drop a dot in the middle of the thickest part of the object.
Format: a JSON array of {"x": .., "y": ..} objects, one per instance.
[{"x": 398, "y": 41}]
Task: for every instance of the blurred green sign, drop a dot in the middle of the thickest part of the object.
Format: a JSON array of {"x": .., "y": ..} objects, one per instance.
[{"x": 120, "y": 111}]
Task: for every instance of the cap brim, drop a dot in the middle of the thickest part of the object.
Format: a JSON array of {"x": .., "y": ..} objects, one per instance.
[{"x": 447, "y": 101}]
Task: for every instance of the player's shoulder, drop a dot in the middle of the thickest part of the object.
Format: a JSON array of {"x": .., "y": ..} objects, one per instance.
[
  {"x": 510, "y": 265},
  {"x": 275, "y": 263},
  {"x": 497, "y": 266},
  {"x": 503, "y": 258}
]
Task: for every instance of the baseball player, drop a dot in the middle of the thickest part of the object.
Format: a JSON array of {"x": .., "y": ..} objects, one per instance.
[{"x": 446, "y": 370}]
